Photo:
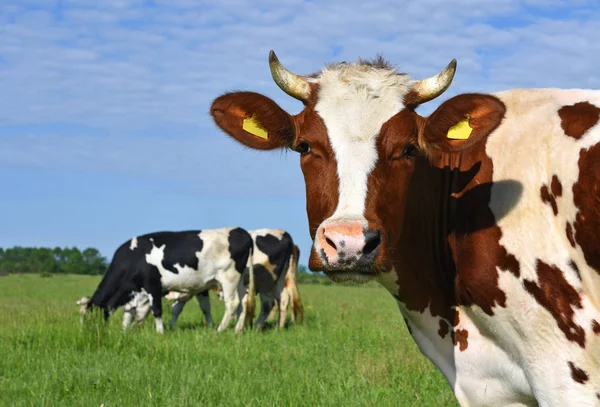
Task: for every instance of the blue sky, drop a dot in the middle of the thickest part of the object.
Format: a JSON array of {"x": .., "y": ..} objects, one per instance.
[{"x": 104, "y": 125}]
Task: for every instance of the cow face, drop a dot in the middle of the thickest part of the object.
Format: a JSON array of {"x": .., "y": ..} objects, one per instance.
[
  {"x": 84, "y": 303},
  {"x": 358, "y": 138}
]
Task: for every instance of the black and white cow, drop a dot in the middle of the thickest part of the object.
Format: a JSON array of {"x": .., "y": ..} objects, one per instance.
[
  {"x": 144, "y": 269},
  {"x": 275, "y": 267},
  {"x": 275, "y": 256}
]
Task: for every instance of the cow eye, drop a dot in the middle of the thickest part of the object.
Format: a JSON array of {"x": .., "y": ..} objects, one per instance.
[
  {"x": 303, "y": 147},
  {"x": 410, "y": 150}
]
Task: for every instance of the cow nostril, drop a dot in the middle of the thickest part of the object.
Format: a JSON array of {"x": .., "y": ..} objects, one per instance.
[
  {"x": 372, "y": 241},
  {"x": 330, "y": 243}
]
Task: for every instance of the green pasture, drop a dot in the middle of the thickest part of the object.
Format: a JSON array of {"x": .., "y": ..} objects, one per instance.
[{"x": 353, "y": 349}]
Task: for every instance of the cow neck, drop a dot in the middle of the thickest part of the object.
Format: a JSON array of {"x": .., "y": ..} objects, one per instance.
[{"x": 447, "y": 199}]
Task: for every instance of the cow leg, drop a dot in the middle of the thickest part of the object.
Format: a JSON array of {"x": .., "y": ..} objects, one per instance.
[
  {"x": 239, "y": 326},
  {"x": 242, "y": 309},
  {"x": 284, "y": 301},
  {"x": 179, "y": 301},
  {"x": 267, "y": 304},
  {"x": 155, "y": 295},
  {"x": 153, "y": 287},
  {"x": 282, "y": 298},
  {"x": 273, "y": 313},
  {"x": 142, "y": 310},
  {"x": 232, "y": 300},
  {"x": 291, "y": 302},
  {"x": 157, "y": 313},
  {"x": 176, "y": 310},
  {"x": 204, "y": 302},
  {"x": 128, "y": 312}
]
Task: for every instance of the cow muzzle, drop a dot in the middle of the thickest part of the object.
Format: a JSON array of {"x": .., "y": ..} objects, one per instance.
[
  {"x": 84, "y": 304},
  {"x": 344, "y": 247}
]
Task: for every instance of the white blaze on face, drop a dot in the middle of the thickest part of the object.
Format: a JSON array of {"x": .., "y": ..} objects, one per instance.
[{"x": 354, "y": 102}]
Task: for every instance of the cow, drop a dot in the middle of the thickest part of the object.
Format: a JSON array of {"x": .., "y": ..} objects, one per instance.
[
  {"x": 276, "y": 269},
  {"x": 480, "y": 219},
  {"x": 147, "y": 267},
  {"x": 275, "y": 256}
]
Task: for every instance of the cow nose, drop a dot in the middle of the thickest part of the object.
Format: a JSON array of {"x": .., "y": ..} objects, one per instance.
[
  {"x": 348, "y": 242},
  {"x": 372, "y": 240}
]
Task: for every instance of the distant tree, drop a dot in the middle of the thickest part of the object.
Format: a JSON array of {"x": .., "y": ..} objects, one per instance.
[
  {"x": 74, "y": 261},
  {"x": 51, "y": 260},
  {"x": 96, "y": 264},
  {"x": 58, "y": 252},
  {"x": 41, "y": 260}
]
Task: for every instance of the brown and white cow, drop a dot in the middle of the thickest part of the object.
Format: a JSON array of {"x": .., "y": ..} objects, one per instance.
[{"x": 481, "y": 219}]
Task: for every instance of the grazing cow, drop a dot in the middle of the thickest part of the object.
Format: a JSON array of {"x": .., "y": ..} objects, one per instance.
[
  {"x": 274, "y": 258},
  {"x": 147, "y": 267},
  {"x": 481, "y": 219},
  {"x": 275, "y": 269}
]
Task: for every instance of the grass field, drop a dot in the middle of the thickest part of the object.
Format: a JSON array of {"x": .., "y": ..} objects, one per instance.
[{"x": 352, "y": 350}]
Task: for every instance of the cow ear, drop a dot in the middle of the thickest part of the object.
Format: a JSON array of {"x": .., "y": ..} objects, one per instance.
[
  {"x": 254, "y": 120},
  {"x": 462, "y": 122}
]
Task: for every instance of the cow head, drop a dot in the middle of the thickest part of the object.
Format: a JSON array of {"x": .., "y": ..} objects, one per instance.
[
  {"x": 84, "y": 304},
  {"x": 358, "y": 138}
]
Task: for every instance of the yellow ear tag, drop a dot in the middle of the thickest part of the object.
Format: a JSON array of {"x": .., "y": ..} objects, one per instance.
[
  {"x": 461, "y": 130},
  {"x": 253, "y": 126}
]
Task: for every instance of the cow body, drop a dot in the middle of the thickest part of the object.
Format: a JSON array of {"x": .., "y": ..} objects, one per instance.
[
  {"x": 521, "y": 290},
  {"x": 480, "y": 219},
  {"x": 190, "y": 262},
  {"x": 275, "y": 266}
]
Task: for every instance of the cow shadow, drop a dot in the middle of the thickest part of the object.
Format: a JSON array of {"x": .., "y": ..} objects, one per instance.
[
  {"x": 471, "y": 210},
  {"x": 474, "y": 209}
]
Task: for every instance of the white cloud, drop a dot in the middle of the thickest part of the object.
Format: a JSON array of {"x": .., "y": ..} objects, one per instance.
[{"x": 123, "y": 67}]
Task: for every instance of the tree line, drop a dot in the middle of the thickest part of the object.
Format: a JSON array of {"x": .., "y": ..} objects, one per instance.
[
  {"x": 44, "y": 260},
  {"x": 71, "y": 260}
]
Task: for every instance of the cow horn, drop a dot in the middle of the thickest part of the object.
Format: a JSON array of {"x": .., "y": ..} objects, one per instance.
[
  {"x": 294, "y": 85},
  {"x": 430, "y": 88}
]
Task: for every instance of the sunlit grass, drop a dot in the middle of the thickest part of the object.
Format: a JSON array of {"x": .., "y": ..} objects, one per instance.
[{"x": 352, "y": 350}]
